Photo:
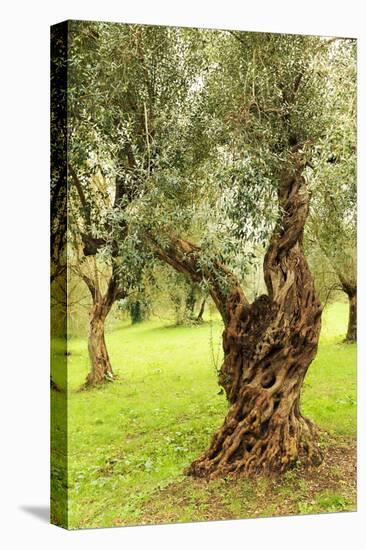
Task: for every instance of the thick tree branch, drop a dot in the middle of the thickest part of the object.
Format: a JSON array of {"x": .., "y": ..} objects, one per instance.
[
  {"x": 186, "y": 258},
  {"x": 88, "y": 281},
  {"x": 114, "y": 290}
]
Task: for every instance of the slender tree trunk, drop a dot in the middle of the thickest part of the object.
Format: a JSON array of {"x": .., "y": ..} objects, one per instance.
[
  {"x": 349, "y": 287},
  {"x": 101, "y": 369},
  {"x": 268, "y": 347},
  {"x": 201, "y": 311},
  {"x": 352, "y": 317},
  {"x": 136, "y": 312},
  {"x": 190, "y": 302}
]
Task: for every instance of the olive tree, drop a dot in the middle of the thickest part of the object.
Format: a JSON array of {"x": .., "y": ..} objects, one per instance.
[
  {"x": 268, "y": 121},
  {"x": 124, "y": 82},
  {"x": 214, "y": 139}
]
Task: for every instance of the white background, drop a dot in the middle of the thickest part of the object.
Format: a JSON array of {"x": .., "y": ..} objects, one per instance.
[{"x": 24, "y": 196}]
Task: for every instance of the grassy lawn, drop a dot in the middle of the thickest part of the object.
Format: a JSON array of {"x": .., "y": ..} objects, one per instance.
[{"x": 129, "y": 441}]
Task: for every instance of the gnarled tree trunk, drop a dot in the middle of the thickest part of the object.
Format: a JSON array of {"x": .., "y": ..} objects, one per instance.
[
  {"x": 101, "y": 368},
  {"x": 268, "y": 346}
]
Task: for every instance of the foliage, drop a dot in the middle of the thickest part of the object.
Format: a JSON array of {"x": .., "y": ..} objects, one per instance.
[
  {"x": 127, "y": 84},
  {"x": 333, "y": 176},
  {"x": 188, "y": 131},
  {"x": 193, "y": 127}
]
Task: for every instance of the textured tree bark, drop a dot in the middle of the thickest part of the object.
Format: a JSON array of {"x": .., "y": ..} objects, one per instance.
[
  {"x": 268, "y": 347},
  {"x": 101, "y": 368},
  {"x": 352, "y": 317}
]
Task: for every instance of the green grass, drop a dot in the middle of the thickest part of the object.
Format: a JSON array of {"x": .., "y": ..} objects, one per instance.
[
  {"x": 330, "y": 387},
  {"x": 129, "y": 441}
]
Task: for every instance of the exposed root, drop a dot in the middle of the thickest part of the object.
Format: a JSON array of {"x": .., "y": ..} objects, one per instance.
[{"x": 264, "y": 441}]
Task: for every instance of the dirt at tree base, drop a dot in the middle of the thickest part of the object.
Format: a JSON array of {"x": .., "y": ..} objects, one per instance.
[{"x": 331, "y": 487}]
